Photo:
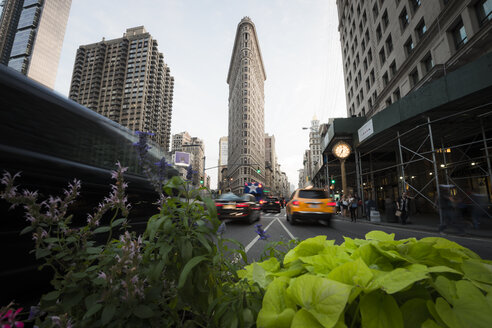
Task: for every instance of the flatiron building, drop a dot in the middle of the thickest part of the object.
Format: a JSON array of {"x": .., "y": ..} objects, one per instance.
[{"x": 246, "y": 77}]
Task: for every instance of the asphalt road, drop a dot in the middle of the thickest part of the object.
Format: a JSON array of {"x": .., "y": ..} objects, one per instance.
[{"x": 279, "y": 229}]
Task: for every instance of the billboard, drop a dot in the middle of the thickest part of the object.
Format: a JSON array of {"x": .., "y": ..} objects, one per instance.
[{"x": 182, "y": 158}]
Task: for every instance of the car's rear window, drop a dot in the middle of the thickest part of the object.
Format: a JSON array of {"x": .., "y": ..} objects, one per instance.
[
  {"x": 229, "y": 197},
  {"x": 271, "y": 199},
  {"x": 313, "y": 194}
]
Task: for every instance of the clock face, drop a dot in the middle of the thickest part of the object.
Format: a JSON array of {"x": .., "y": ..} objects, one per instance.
[{"x": 341, "y": 150}]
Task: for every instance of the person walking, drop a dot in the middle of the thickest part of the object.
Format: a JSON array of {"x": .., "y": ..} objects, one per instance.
[
  {"x": 344, "y": 205},
  {"x": 402, "y": 206},
  {"x": 447, "y": 204},
  {"x": 353, "y": 204}
]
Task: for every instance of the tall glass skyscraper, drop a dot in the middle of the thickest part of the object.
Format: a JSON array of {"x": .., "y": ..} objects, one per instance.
[{"x": 31, "y": 36}]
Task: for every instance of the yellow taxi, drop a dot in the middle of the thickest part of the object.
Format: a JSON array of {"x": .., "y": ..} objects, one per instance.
[{"x": 310, "y": 204}]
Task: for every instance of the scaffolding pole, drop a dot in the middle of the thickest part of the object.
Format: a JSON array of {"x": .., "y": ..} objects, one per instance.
[
  {"x": 402, "y": 164},
  {"x": 435, "y": 170},
  {"x": 486, "y": 151}
]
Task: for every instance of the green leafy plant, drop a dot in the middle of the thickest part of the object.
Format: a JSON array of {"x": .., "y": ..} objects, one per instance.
[
  {"x": 179, "y": 273},
  {"x": 376, "y": 282}
]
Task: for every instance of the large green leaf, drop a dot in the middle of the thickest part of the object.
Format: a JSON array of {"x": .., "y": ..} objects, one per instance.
[
  {"x": 187, "y": 269},
  {"x": 352, "y": 273},
  {"x": 372, "y": 257},
  {"x": 467, "y": 308},
  {"x": 429, "y": 323},
  {"x": 304, "y": 319},
  {"x": 415, "y": 312},
  {"x": 355, "y": 273},
  {"x": 325, "y": 299},
  {"x": 278, "y": 309},
  {"x": 447, "y": 288},
  {"x": 379, "y": 310},
  {"x": 397, "y": 280},
  {"x": 477, "y": 270},
  {"x": 308, "y": 247},
  {"x": 380, "y": 236}
]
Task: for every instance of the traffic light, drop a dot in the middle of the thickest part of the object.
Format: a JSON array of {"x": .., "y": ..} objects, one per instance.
[
  {"x": 332, "y": 180},
  {"x": 258, "y": 171},
  {"x": 201, "y": 180}
]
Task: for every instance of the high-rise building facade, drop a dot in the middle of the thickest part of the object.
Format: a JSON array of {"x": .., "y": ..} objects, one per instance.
[
  {"x": 246, "y": 158},
  {"x": 126, "y": 80},
  {"x": 184, "y": 142},
  {"x": 222, "y": 164},
  {"x": 391, "y": 48},
  {"x": 315, "y": 148},
  {"x": 31, "y": 37}
]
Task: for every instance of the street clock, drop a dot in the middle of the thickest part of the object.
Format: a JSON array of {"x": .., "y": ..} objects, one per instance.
[{"x": 341, "y": 150}]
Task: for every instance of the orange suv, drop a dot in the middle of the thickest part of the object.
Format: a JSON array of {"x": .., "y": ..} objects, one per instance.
[{"x": 310, "y": 204}]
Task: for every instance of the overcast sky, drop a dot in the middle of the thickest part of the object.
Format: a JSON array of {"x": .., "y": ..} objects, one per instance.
[{"x": 299, "y": 42}]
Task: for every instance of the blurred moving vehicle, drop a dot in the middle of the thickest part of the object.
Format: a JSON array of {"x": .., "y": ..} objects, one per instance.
[
  {"x": 270, "y": 204},
  {"x": 310, "y": 204},
  {"x": 244, "y": 208}
]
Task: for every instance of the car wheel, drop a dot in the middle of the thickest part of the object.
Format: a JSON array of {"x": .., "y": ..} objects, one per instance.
[{"x": 292, "y": 221}]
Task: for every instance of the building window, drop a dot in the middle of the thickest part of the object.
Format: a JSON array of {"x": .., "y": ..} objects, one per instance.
[
  {"x": 388, "y": 101},
  {"x": 409, "y": 46},
  {"x": 428, "y": 63},
  {"x": 375, "y": 11},
  {"x": 396, "y": 95},
  {"x": 364, "y": 63},
  {"x": 389, "y": 44},
  {"x": 484, "y": 11},
  {"x": 414, "y": 77},
  {"x": 404, "y": 19},
  {"x": 393, "y": 69},
  {"x": 379, "y": 34},
  {"x": 415, "y": 4},
  {"x": 382, "y": 56},
  {"x": 421, "y": 29},
  {"x": 369, "y": 56},
  {"x": 385, "y": 79},
  {"x": 385, "y": 19},
  {"x": 368, "y": 84},
  {"x": 459, "y": 35},
  {"x": 371, "y": 77}
]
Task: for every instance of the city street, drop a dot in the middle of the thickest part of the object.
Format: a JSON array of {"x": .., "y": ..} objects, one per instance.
[{"x": 279, "y": 229}]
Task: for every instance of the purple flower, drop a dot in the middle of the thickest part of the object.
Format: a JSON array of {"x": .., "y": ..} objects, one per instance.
[
  {"x": 261, "y": 232},
  {"x": 221, "y": 229}
]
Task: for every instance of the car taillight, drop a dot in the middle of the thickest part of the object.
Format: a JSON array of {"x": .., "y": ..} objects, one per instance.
[
  {"x": 295, "y": 202},
  {"x": 218, "y": 204},
  {"x": 262, "y": 201},
  {"x": 277, "y": 202},
  {"x": 331, "y": 204},
  {"x": 242, "y": 205}
]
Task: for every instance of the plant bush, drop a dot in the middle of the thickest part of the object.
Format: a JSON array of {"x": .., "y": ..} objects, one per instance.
[
  {"x": 376, "y": 282},
  {"x": 179, "y": 273}
]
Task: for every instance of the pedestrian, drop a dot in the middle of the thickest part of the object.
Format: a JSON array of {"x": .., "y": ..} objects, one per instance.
[
  {"x": 402, "y": 206},
  {"x": 479, "y": 208},
  {"x": 447, "y": 205},
  {"x": 337, "y": 208},
  {"x": 353, "y": 203},
  {"x": 344, "y": 205}
]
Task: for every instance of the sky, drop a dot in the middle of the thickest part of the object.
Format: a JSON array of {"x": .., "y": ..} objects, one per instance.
[{"x": 300, "y": 46}]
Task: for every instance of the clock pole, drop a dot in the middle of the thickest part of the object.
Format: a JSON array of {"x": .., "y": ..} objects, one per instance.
[{"x": 344, "y": 178}]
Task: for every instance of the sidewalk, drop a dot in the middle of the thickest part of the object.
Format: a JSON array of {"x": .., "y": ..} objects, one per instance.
[{"x": 430, "y": 223}]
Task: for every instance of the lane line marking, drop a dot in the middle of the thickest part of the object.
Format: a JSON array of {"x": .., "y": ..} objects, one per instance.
[
  {"x": 290, "y": 234},
  {"x": 247, "y": 248}
]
